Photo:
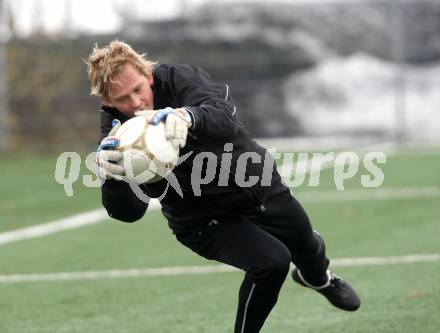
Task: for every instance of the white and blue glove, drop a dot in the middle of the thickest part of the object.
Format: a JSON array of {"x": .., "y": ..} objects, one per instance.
[
  {"x": 108, "y": 159},
  {"x": 177, "y": 123}
]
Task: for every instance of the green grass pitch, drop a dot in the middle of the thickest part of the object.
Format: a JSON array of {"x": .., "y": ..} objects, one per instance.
[{"x": 396, "y": 298}]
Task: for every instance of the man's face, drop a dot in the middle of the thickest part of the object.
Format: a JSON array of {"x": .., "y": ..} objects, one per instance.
[{"x": 130, "y": 91}]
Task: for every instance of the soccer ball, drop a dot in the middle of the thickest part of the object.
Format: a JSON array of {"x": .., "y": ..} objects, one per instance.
[{"x": 147, "y": 155}]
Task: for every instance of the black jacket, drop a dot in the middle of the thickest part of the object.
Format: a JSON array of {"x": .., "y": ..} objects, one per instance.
[{"x": 215, "y": 124}]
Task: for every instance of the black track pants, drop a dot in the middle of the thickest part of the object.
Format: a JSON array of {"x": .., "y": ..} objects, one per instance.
[{"x": 263, "y": 243}]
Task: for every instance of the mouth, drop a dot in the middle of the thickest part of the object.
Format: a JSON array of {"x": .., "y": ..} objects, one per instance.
[{"x": 133, "y": 111}]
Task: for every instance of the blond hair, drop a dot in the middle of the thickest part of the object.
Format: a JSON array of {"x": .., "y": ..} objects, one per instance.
[{"x": 104, "y": 63}]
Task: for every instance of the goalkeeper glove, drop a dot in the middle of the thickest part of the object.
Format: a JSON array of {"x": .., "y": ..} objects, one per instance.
[
  {"x": 108, "y": 159},
  {"x": 177, "y": 122}
]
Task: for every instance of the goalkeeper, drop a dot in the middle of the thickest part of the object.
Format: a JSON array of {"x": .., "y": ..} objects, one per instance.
[{"x": 258, "y": 229}]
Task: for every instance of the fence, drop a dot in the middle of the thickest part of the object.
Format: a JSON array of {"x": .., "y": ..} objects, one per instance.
[{"x": 358, "y": 68}]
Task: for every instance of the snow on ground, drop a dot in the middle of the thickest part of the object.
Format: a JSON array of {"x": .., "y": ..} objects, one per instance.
[{"x": 358, "y": 94}]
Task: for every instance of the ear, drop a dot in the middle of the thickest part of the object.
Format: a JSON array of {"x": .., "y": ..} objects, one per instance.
[
  {"x": 150, "y": 79},
  {"x": 106, "y": 102}
]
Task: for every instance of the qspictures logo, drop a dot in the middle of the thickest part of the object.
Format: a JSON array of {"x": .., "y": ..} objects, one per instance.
[{"x": 296, "y": 169}]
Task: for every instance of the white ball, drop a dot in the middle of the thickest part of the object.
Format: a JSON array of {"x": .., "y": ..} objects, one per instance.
[{"x": 147, "y": 155}]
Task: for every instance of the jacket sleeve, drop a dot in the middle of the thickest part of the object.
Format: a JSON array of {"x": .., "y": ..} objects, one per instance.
[
  {"x": 117, "y": 196},
  {"x": 120, "y": 201},
  {"x": 210, "y": 104}
]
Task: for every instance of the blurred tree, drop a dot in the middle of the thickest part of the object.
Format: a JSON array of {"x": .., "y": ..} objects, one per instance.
[
  {"x": 8, "y": 18},
  {"x": 3, "y": 90},
  {"x": 38, "y": 28},
  {"x": 67, "y": 25}
]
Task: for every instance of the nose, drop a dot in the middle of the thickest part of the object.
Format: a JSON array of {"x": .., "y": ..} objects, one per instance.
[{"x": 135, "y": 103}]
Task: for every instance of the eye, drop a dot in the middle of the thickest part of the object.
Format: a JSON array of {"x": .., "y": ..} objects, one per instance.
[
  {"x": 122, "y": 99},
  {"x": 138, "y": 89}
]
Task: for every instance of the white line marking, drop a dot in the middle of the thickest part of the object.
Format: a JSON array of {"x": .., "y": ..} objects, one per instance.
[
  {"x": 192, "y": 270},
  {"x": 379, "y": 261},
  {"x": 369, "y": 194},
  {"x": 68, "y": 223},
  {"x": 71, "y": 222},
  {"x": 94, "y": 275}
]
